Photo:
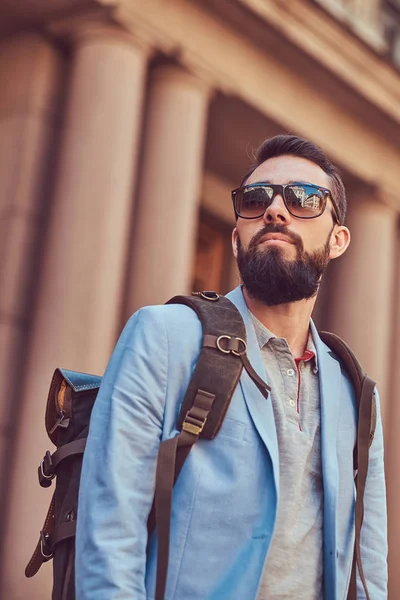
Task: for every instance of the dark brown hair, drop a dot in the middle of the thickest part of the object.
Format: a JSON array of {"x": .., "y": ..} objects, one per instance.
[{"x": 293, "y": 145}]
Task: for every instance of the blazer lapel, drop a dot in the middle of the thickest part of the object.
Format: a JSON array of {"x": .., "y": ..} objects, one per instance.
[
  {"x": 260, "y": 409},
  {"x": 330, "y": 385},
  {"x": 262, "y": 416}
]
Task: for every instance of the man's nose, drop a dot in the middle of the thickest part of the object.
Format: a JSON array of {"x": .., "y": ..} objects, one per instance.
[{"x": 277, "y": 211}]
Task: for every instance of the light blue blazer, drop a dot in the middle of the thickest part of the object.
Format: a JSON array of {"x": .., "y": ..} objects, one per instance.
[{"x": 225, "y": 500}]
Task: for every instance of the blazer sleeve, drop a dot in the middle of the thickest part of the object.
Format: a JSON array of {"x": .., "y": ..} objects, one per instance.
[
  {"x": 118, "y": 474},
  {"x": 374, "y": 547}
]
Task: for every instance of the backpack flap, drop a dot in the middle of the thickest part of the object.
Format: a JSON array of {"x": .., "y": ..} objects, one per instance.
[{"x": 65, "y": 385}]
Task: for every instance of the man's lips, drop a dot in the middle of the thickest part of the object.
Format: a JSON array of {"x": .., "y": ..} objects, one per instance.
[{"x": 275, "y": 237}]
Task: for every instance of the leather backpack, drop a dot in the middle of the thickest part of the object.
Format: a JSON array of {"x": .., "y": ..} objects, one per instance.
[{"x": 219, "y": 366}]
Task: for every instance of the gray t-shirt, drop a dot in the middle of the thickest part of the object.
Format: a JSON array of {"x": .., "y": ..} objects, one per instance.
[{"x": 294, "y": 565}]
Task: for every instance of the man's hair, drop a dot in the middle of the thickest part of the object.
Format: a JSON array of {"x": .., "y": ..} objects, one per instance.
[{"x": 293, "y": 145}]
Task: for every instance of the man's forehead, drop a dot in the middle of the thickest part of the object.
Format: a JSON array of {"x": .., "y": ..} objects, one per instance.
[{"x": 285, "y": 169}]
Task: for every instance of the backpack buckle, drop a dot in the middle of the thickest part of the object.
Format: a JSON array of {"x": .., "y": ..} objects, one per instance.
[
  {"x": 193, "y": 425},
  {"x": 46, "y": 470},
  {"x": 207, "y": 295},
  {"x": 45, "y": 550}
]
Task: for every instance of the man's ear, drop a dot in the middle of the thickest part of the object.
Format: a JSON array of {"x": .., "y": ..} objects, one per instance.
[
  {"x": 234, "y": 241},
  {"x": 340, "y": 240}
]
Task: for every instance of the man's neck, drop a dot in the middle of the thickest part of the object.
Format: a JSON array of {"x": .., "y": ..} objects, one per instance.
[{"x": 290, "y": 321}]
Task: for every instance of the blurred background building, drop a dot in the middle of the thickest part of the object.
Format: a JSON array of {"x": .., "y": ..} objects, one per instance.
[{"x": 124, "y": 124}]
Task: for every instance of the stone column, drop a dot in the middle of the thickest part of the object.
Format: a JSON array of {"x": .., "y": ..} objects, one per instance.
[
  {"x": 81, "y": 283},
  {"x": 31, "y": 76},
  {"x": 169, "y": 194},
  {"x": 393, "y": 448},
  {"x": 362, "y": 289}
]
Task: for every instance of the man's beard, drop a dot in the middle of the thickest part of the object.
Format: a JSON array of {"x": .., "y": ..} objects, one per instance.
[{"x": 272, "y": 279}]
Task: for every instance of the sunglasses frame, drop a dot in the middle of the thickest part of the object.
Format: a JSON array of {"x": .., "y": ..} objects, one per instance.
[{"x": 280, "y": 189}]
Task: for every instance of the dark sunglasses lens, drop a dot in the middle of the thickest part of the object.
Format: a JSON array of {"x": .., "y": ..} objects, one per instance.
[
  {"x": 252, "y": 202},
  {"x": 305, "y": 200}
]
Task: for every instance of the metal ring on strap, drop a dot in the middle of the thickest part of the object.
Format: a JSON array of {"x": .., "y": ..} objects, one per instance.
[
  {"x": 43, "y": 538},
  {"x": 244, "y": 347},
  {"x": 229, "y": 350},
  {"x": 218, "y": 344},
  {"x": 43, "y": 473}
]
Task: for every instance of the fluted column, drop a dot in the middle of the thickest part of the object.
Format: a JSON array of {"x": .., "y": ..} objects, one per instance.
[
  {"x": 31, "y": 75},
  {"x": 77, "y": 316},
  {"x": 164, "y": 228},
  {"x": 362, "y": 289}
]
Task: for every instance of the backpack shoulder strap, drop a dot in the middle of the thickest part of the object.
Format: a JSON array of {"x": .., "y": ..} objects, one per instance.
[
  {"x": 220, "y": 363},
  {"x": 355, "y": 371},
  {"x": 364, "y": 389},
  {"x": 216, "y": 375}
]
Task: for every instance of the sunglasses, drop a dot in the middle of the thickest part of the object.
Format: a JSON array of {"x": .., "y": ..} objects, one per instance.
[{"x": 303, "y": 200}]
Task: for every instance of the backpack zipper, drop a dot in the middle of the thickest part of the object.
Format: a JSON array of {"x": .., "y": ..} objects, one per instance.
[
  {"x": 62, "y": 405},
  {"x": 59, "y": 422}
]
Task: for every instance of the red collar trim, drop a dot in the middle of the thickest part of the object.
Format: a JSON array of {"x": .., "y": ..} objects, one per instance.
[{"x": 308, "y": 355}]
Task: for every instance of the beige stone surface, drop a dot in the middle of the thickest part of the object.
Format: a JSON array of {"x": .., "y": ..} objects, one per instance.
[
  {"x": 170, "y": 180},
  {"x": 12, "y": 339},
  {"x": 393, "y": 444},
  {"x": 31, "y": 74},
  {"x": 362, "y": 292},
  {"x": 76, "y": 321},
  {"x": 216, "y": 197},
  {"x": 28, "y": 120}
]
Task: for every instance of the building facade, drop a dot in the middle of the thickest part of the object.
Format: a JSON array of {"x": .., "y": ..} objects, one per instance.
[{"x": 123, "y": 127}]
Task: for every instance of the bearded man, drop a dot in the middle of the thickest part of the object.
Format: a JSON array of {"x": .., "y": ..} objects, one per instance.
[{"x": 265, "y": 510}]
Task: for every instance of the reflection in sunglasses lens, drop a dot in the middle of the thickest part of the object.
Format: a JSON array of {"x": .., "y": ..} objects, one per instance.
[{"x": 305, "y": 201}]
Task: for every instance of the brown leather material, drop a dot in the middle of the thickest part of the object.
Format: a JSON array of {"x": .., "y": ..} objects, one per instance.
[
  {"x": 224, "y": 343},
  {"x": 236, "y": 345},
  {"x": 215, "y": 372},
  {"x": 364, "y": 390},
  {"x": 352, "y": 593},
  {"x": 37, "y": 558},
  {"x": 181, "y": 455},
  {"x": 62, "y": 532},
  {"x": 52, "y": 536},
  {"x": 260, "y": 383},
  {"x": 167, "y": 474},
  {"x": 69, "y": 578},
  {"x": 364, "y": 428},
  {"x": 356, "y": 372},
  {"x": 75, "y": 447},
  {"x": 48, "y": 467},
  {"x": 165, "y": 477}
]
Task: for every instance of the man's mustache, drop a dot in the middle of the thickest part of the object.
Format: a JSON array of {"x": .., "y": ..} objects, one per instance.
[{"x": 276, "y": 228}]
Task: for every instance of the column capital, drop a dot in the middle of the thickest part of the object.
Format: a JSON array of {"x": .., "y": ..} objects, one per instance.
[
  {"x": 208, "y": 75},
  {"x": 177, "y": 74},
  {"x": 96, "y": 26},
  {"x": 375, "y": 195},
  {"x": 390, "y": 197}
]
